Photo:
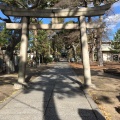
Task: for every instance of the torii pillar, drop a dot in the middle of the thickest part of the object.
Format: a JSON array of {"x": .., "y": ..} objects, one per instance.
[
  {"x": 85, "y": 54},
  {"x": 23, "y": 54}
]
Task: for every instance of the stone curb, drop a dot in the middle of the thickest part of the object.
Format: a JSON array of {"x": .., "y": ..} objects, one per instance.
[
  {"x": 94, "y": 106},
  {"x": 8, "y": 99}
]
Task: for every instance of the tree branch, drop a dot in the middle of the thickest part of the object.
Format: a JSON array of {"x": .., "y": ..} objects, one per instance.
[
  {"x": 19, "y": 3},
  {"x": 35, "y": 5},
  {"x": 6, "y": 20}
]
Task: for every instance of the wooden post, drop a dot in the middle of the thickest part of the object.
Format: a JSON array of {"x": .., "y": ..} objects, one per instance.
[
  {"x": 85, "y": 54},
  {"x": 23, "y": 54}
]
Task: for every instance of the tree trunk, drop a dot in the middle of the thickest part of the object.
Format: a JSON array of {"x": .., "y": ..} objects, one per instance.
[
  {"x": 74, "y": 47},
  {"x": 100, "y": 55},
  {"x": 99, "y": 51},
  {"x": 9, "y": 63},
  {"x": 93, "y": 50}
]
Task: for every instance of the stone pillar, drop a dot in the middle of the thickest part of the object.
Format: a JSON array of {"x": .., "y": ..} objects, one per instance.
[
  {"x": 23, "y": 54},
  {"x": 85, "y": 54}
]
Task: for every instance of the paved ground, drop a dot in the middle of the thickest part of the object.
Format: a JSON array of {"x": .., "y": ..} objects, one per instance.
[{"x": 54, "y": 95}]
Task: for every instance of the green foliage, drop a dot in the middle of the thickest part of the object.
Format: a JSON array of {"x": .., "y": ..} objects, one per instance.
[
  {"x": 4, "y": 37},
  {"x": 29, "y": 3},
  {"x": 116, "y": 42},
  {"x": 117, "y": 36},
  {"x": 58, "y": 43},
  {"x": 40, "y": 43},
  {"x": 50, "y": 3},
  {"x": 48, "y": 59}
]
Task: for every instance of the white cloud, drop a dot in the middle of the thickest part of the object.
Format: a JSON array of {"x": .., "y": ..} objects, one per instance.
[
  {"x": 117, "y": 4},
  {"x": 113, "y": 19},
  {"x": 110, "y": 27}
]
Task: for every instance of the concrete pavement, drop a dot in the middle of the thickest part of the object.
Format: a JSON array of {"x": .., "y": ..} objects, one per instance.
[{"x": 54, "y": 95}]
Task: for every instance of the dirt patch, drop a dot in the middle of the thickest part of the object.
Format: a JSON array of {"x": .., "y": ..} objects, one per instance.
[
  {"x": 7, "y": 80},
  {"x": 107, "y": 94}
]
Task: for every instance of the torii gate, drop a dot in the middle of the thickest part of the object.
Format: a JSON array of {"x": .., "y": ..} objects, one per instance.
[{"x": 80, "y": 13}]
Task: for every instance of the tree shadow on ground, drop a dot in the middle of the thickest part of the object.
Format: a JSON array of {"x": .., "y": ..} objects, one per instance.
[
  {"x": 57, "y": 83},
  {"x": 55, "y": 86},
  {"x": 79, "y": 71},
  {"x": 30, "y": 72},
  {"x": 118, "y": 97},
  {"x": 117, "y": 109},
  {"x": 86, "y": 114},
  {"x": 35, "y": 71},
  {"x": 98, "y": 82},
  {"x": 7, "y": 80},
  {"x": 54, "y": 82},
  {"x": 105, "y": 99}
]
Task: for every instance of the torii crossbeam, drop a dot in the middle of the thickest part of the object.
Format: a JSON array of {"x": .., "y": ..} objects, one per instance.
[
  {"x": 54, "y": 26},
  {"x": 49, "y": 13}
]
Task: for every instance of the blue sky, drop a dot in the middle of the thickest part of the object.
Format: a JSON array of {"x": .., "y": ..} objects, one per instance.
[{"x": 112, "y": 19}]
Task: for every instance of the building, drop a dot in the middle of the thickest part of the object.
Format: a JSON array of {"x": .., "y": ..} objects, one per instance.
[{"x": 108, "y": 55}]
